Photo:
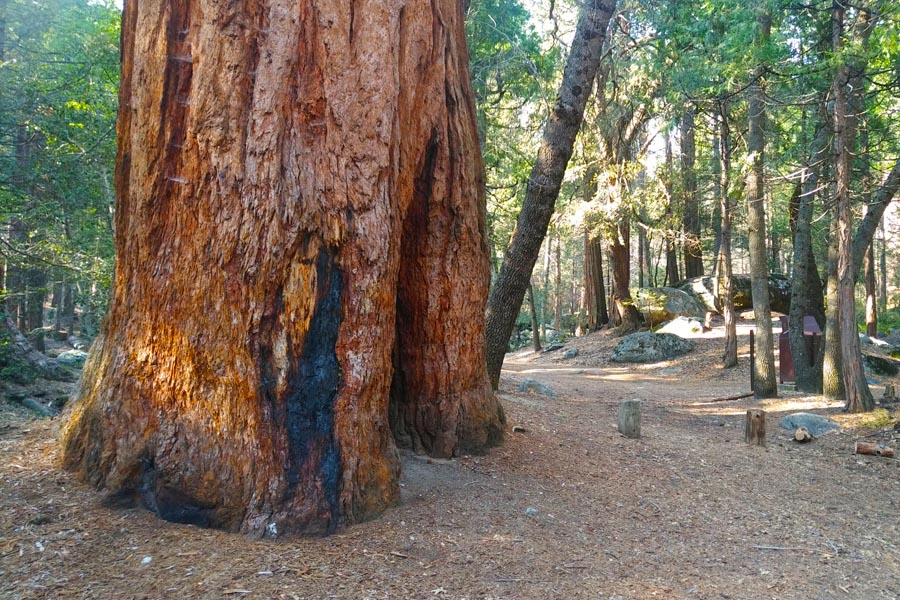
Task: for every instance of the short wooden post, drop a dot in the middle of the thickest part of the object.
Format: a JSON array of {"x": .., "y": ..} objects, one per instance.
[
  {"x": 630, "y": 418},
  {"x": 889, "y": 392},
  {"x": 752, "y": 362},
  {"x": 755, "y": 428}
]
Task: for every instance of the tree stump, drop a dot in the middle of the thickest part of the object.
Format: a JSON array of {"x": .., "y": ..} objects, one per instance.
[
  {"x": 755, "y": 428},
  {"x": 630, "y": 418},
  {"x": 889, "y": 391}
]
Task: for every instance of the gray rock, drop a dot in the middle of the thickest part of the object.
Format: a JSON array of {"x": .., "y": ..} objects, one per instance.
[
  {"x": 533, "y": 385},
  {"x": 893, "y": 338},
  {"x": 665, "y": 303},
  {"x": 648, "y": 347},
  {"x": 72, "y": 358},
  {"x": 532, "y": 512},
  {"x": 702, "y": 288},
  {"x": 815, "y": 424},
  {"x": 864, "y": 339},
  {"x": 570, "y": 353},
  {"x": 880, "y": 365},
  {"x": 683, "y": 327}
]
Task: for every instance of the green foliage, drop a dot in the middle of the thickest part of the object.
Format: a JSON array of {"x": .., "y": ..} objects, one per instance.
[
  {"x": 59, "y": 66},
  {"x": 511, "y": 78}
]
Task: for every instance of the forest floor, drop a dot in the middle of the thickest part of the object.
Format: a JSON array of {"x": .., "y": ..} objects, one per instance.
[{"x": 566, "y": 508}]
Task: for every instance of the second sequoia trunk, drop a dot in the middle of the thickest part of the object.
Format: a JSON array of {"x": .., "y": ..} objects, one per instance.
[{"x": 300, "y": 244}]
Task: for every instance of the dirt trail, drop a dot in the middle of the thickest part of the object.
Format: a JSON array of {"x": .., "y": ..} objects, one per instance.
[{"x": 566, "y": 509}]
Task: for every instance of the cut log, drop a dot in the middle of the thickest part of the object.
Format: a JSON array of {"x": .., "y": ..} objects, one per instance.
[
  {"x": 874, "y": 449},
  {"x": 802, "y": 435},
  {"x": 630, "y": 418},
  {"x": 755, "y": 428}
]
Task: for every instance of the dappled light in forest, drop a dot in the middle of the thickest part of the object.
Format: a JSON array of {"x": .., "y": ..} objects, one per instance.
[{"x": 506, "y": 299}]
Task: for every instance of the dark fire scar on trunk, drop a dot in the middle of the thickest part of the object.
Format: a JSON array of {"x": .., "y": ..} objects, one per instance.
[{"x": 312, "y": 389}]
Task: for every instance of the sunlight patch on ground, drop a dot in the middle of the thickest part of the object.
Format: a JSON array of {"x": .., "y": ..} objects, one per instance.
[{"x": 772, "y": 405}]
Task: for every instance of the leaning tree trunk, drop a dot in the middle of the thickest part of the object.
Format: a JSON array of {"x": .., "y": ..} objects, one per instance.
[
  {"x": 765, "y": 385},
  {"x": 546, "y": 178},
  {"x": 299, "y": 221}
]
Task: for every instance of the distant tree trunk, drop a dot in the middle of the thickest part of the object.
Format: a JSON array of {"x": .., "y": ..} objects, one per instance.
[
  {"x": 35, "y": 294},
  {"x": 546, "y": 178},
  {"x": 858, "y": 397},
  {"x": 764, "y": 367},
  {"x": 693, "y": 251},
  {"x": 545, "y": 280},
  {"x": 626, "y": 316},
  {"x": 716, "y": 172},
  {"x": 299, "y": 217},
  {"x": 535, "y": 329},
  {"x": 672, "y": 276},
  {"x": 595, "y": 290},
  {"x": 804, "y": 294},
  {"x": 643, "y": 250},
  {"x": 871, "y": 294},
  {"x": 729, "y": 357},
  {"x": 557, "y": 284},
  {"x": 882, "y": 272}
]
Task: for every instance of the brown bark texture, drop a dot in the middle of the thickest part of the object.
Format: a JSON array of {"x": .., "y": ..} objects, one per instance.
[
  {"x": 764, "y": 365},
  {"x": 857, "y": 396},
  {"x": 595, "y": 290},
  {"x": 300, "y": 244},
  {"x": 626, "y": 316},
  {"x": 545, "y": 180}
]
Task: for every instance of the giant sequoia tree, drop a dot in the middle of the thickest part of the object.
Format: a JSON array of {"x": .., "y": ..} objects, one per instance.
[{"x": 301, "y": 264}]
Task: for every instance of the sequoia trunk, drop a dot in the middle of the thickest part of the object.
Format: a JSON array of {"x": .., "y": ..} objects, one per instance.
[
  {"x": 595, "y": 290},
  {"x": 299, "y": 223}
]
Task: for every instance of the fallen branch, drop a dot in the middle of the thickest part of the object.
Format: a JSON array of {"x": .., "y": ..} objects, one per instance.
[
  {"x": 730, "y": 398},
  {"x": 780, "y": 548}
]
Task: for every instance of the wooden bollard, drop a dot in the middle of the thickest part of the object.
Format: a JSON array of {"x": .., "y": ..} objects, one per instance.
[
  {"x": 630, "y": 418},
  {"x": 755, "y": 428},
  {"x": 889, "y": 392}
]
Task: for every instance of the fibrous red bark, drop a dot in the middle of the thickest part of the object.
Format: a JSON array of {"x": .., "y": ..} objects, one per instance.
[{"x": 300, "y": 239}]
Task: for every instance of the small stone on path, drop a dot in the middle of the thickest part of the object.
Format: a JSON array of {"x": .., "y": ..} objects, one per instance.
[{"x": 533, "y": 385}]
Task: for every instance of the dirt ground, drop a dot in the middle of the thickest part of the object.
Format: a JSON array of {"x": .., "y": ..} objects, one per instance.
[{"x": 567, "y": 508}]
